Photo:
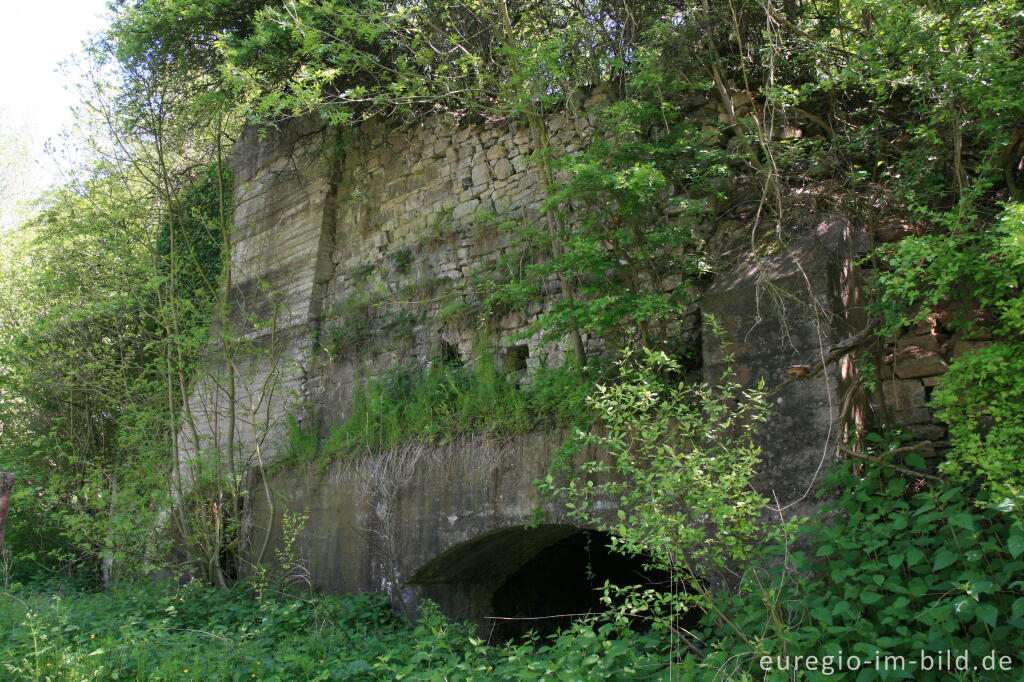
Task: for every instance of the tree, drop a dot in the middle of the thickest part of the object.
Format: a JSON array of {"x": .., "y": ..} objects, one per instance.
[{"x": 14, "y": 172}]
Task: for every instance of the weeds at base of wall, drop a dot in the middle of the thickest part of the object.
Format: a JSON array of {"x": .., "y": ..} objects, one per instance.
[
  {"x": 157, "y": 631},
  {"x": 897, "y": 568},
  {"x": 892, "y": 567}
]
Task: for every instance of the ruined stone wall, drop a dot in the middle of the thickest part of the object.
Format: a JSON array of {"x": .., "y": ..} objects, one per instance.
[
  {"x": 412, "y": 227},
  {"x": 912, "y": 367},
  {"x": 361, "y": 249},
  {"x": 351, "y": 257}
]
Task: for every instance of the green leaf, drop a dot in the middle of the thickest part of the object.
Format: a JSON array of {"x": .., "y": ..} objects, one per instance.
[
  {"x": 987, "y": 613},
  {"x": 1016, "y": 542},
  {"x": 870, "y": 597},
  {"x": 962, "y": 520},
  {"x": 943, "y": 559},
  {"x": 914, "y": 555}
]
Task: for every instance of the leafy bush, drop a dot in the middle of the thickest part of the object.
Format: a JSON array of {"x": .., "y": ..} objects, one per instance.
[
  {"x": 984, "y": 388},
  {"x": 889, "y": 569}
]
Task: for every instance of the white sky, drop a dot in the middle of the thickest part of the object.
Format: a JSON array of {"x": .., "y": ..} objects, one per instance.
[{"x": 35, "y": 36}]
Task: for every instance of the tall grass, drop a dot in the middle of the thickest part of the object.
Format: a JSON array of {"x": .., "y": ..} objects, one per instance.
[{"x": 433, "y": 404}]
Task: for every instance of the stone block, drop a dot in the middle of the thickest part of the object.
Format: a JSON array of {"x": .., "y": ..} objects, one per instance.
[
  {"x": 465, "y": 208},
  {"x": 918, "y": 355},
  {"x": 963, "y": 346},
  {"x": 910, "y": 415},
  {"x": 481, "y": 173},
  {"x": 932, "y": 432},
  {"x": 502, "y": 169},
  {"x": 903, "y": 393}
]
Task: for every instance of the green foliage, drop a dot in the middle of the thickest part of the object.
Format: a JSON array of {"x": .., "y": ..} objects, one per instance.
[
  {"x": 908, "y": 112},
  {"x": 681, "y": 460},
  {"x": 980, "y": 401},
  {"x": 351, "y": 60},
  {"x": 156, "y": 632},
  {"x": 190, "y": 243},
  {"x": 438, "y": 403},
  {"x": 82, "y": 424},
  {"x": 888, "y": 569},
  {"x": 676, "y": 461},
  {"x": 300, "y": 444},
  {"x": 956, "y": 69},
  {"x": 627, "y": 235},
  {"x": 558, "y": 395},
  {"x": 352, "y": 331},
  {"x": 177, "y": 35},
  {"x": 980, "y": 270},
  {"x": 403, "y": 260},
  {"x": 445, "y": 401},
  {"x": 983, "y": 271}
]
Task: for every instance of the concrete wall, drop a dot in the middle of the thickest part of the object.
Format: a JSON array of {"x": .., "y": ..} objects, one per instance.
[{"x": 383, "y": 227}]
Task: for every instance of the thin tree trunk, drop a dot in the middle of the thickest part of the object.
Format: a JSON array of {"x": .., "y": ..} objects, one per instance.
[
  {"x": 6, "y": 485},
  {"x": 539, "y": 127},
  {"x": 107, "y": 563}
]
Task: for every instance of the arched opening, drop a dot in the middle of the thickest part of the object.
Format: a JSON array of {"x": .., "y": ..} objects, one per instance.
[
  {"x": 516, "y": 580},
  {"x": 565, "y": 581}
]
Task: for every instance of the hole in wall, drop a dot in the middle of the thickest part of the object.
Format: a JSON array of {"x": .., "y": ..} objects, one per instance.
[
  {"x": 448, "y": 353},
  {"x": 515, "y": 580},
  {"x": 565, "y": 582},
  {"x": 516, "y": 357}
]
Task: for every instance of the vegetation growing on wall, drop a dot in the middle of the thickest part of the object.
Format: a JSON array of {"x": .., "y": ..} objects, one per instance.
[
  {"x": 442, "y": 403},
  {"x": 907, "y": 116}
]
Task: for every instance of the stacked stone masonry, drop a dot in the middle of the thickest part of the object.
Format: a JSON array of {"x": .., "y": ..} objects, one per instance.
[
  {"x": 362, "y": 249},
  {"x": 913, "y": 367}
]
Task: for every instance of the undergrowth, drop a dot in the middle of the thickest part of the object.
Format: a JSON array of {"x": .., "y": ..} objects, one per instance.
[
  {"x": 893, "y": 570},
  {"x": 159, "y": 632},
  {"x": 890, "y": 570}
]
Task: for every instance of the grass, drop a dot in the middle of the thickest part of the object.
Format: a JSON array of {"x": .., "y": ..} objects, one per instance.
[
  {"x": 162, "y": 632},
  {"x": 445, "y": 401},
  {"x": 433, "y": 404}
]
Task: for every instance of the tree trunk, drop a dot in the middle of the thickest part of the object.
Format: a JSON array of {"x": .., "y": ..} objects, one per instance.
[{"x": 6, "y": 484}]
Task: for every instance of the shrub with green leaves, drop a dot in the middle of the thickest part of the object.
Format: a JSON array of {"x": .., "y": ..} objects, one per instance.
[
  {"x": 893, "y": 567},
  {"x": 982, "y": 394},
  {"x": 676, "y": 461}
]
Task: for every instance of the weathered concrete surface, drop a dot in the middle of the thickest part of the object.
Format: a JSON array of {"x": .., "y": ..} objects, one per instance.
[
  {"x": 282, "y": 191},
  {"x": 776, "y": 312},
  {"x": 446, "y": 521},
  {"x": 355, "y": 252}
]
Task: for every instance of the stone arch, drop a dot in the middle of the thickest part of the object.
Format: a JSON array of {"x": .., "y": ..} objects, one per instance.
[{"x": 541, "y": 577}]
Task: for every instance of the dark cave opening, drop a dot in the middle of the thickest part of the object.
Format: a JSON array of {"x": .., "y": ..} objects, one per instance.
[{"x": 564, "y": 582}]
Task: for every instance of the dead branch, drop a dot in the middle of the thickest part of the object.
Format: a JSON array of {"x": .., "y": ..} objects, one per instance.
[
  {"x": 878, "y": 460},
  {"x": 836, "y": 352}
]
